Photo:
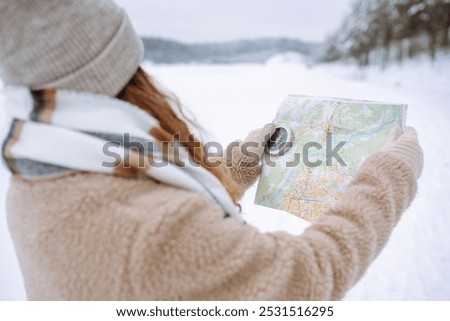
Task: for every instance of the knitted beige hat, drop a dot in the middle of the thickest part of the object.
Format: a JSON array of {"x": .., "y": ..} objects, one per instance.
[{"x": 83, "y": 45}]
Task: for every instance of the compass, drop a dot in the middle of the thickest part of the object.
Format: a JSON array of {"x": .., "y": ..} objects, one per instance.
[{"x": 280, "y": 142}]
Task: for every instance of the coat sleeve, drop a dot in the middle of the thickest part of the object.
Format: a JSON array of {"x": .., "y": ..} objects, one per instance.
[{"x": 198, "y": 255}]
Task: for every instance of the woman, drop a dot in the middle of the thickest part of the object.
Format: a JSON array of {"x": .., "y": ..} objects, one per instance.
[{"x": 91, "y": 227}]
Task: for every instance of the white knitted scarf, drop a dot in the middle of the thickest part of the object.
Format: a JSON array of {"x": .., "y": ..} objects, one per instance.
[{"x": 79, "y": 132}]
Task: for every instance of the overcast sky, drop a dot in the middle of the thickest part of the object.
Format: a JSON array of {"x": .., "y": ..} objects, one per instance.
[{"x": 219, "y": 20}]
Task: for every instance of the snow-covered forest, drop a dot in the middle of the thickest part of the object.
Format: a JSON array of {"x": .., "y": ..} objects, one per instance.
[
  {"x": 382, "y": 31},
  {"x": 164, "y": 51}
]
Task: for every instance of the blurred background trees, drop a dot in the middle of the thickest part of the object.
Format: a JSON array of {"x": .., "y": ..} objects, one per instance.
[{"x": 379, "y": 31}]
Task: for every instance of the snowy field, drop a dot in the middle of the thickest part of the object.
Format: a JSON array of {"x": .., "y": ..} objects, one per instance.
[{"x": 229, "y": 101}]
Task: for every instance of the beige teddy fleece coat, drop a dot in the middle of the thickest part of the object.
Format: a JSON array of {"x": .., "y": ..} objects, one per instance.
[{"x": 97, "y": 237}]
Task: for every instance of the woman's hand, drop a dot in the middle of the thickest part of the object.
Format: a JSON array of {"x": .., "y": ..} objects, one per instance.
[
  {"x": 405, "y": 147},
  {"x": 243, "y": 158}
]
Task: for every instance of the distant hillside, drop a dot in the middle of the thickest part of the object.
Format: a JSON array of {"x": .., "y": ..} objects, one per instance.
[{"x": 166, "y": 51}]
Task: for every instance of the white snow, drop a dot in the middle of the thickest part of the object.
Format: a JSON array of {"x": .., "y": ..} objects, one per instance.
[{"x": 229, "y": 101}]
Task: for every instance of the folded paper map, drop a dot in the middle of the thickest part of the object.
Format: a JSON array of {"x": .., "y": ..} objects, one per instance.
[{"x": 320, "y": 143}]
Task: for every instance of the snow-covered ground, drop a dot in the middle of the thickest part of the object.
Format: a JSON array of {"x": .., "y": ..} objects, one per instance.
[{"x": 231, "y": 100}]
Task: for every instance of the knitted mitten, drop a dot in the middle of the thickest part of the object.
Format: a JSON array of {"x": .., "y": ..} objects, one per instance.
[
  {"x": 244, "y": 157},
  {"x": 405, "y": 147}
]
